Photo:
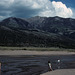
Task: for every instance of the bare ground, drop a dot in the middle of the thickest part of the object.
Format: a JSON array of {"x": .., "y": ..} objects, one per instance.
[{"x": 26, "y": 52}]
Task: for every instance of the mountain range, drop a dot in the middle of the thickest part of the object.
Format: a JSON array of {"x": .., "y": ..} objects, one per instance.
[{"x": 38, "y": 32}]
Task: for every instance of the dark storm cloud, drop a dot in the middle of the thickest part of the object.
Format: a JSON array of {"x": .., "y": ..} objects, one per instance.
[{"x": 24, "y": 12}]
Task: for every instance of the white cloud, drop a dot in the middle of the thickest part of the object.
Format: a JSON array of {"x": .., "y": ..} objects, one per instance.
[
  {"x": 73, "y": 10},
  {"x": 62, "y": 10},
  {"x": 29, "y": 8}
]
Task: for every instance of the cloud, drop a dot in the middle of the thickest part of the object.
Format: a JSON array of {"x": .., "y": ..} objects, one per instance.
[
  {"x": 73, "y": 10},
  {"x": 62, "y": 10},
  {"x": 30, "y": 8}
]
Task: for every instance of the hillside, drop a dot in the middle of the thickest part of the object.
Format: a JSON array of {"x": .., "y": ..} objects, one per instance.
[{"x": 38, "y": 32}]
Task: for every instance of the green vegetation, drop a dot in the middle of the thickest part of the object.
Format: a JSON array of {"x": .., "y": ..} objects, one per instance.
[
  {"x": 12, "y": 48},
  {"x": 37, "y": 48}
]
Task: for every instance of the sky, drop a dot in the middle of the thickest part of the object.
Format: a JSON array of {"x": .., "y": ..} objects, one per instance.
[{"x": 31, "y": 8}]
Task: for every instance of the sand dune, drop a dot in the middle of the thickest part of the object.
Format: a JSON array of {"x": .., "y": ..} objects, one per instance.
[
  {"x": 61, "y": 72},
  {"x": 26, "y": 52}
]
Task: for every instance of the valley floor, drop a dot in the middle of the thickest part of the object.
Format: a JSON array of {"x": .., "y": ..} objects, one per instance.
[{"x": 28, "y": 52}]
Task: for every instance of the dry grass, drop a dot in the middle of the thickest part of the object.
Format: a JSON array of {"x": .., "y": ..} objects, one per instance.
[{"x": 37, "y": 48}]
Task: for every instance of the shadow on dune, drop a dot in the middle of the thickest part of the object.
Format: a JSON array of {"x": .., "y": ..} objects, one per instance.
[{"x": 34, "y": 65}]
